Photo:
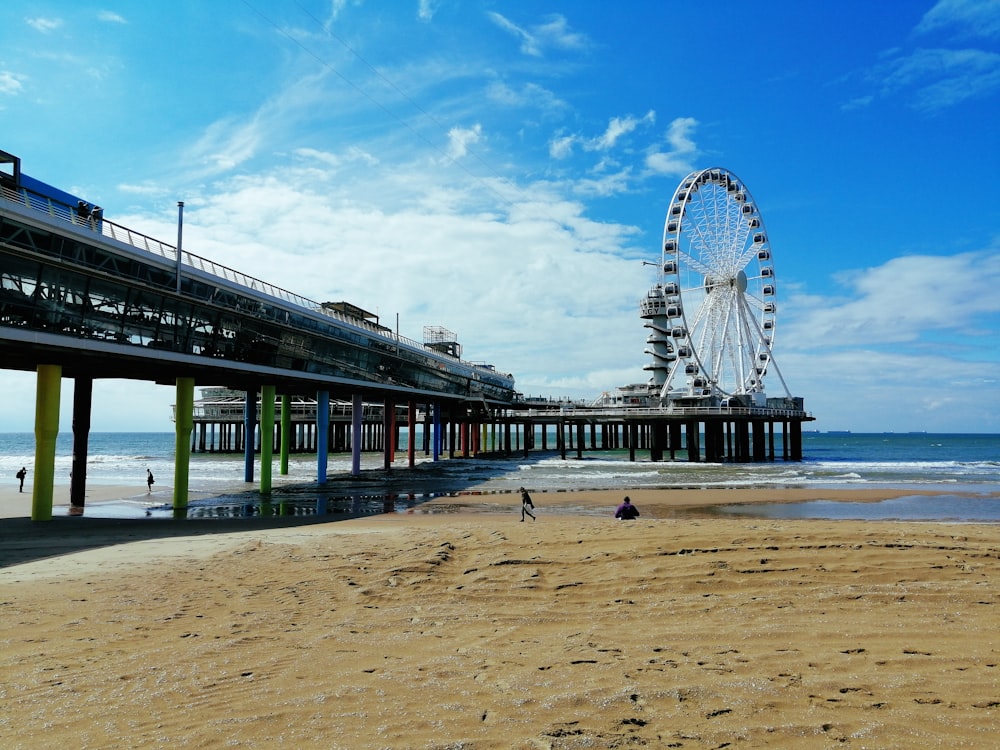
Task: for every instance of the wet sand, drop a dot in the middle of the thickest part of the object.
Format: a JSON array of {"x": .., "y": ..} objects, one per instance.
[{"x": 454, "y": 626}]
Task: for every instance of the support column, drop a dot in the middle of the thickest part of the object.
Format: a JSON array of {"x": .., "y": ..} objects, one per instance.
[
  {"x": 183, "y": 423},
  {"x": 796, "y": 440},
  {"x": 437, "y": 430},
  {"x": 388, "y": 433},
  {"x": 322, "y": 435},
  {"x": 758, "y": 440},
  {"x": 411, "y": 434},
  {"x": 356, "y": 437},
  {"x": 47, "y": 392},
  {"x": 83, "y": 390},
  {"x": 249, "y": 426},
  {"x": 286, "y": 432},
  {"x": 266, "y": 437},
  {"x": 693, "y": 448}
]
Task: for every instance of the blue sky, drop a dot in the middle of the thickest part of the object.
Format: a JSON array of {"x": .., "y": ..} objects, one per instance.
[{"x": 502, "y": 169}]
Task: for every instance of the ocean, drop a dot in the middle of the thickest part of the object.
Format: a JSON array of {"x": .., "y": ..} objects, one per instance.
[{"x": 966, "y": 467}]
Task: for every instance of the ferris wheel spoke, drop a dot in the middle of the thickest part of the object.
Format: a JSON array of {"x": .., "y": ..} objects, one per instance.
[{"x": 695, "y": 264}]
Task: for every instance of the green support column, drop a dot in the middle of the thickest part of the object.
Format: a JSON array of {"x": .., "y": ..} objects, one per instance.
[
  {"x": 47, "y": 390},
  {"x": 286, "y": 432},
  {"x": 183, "y": 424},
  {"x": 266, "y": 437}
]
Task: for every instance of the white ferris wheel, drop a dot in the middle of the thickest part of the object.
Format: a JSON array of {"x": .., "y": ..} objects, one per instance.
[{"x": 712, "y": 312}]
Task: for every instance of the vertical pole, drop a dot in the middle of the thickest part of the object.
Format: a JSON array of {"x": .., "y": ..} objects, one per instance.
[
  {"x": 356, "y": 437},
  {"x": 249, "y": 426},
  {"x": 322, "y": 435},
  {"x": 266, "y": 437},
  {"x": 83, "y": 389},
  {"x": 47, "y": 392},
  {"x": 183, "y": 423},
  {"x": 180, "y": 232},
  {"x": 286, "y": 431}
]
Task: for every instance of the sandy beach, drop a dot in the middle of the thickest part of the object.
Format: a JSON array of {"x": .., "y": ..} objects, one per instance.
[{"x": 451, "y": 627}]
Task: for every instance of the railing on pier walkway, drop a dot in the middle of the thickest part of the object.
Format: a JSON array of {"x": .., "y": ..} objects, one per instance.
[
  {"x": 635, "y": 412},
  {"x": 140, "y": 241}
]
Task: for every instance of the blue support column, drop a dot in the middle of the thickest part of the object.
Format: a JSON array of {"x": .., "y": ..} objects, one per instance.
[
  {"x": 322, "y": 435},
  {"x": 249, "y": 431},
  {"x": 356, "y": 406}
]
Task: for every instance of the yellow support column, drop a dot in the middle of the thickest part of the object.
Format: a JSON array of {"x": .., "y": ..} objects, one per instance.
[
  {"x": 47, "y": 390},
  {"x": 183, "y": 424}
]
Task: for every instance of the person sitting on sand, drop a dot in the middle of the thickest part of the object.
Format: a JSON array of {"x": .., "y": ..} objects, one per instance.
[
  {"x": 526, "y": 505},
  {"x": 626, "y": 511}
]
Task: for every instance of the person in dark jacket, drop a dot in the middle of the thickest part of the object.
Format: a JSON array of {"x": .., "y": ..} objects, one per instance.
[
  {"x": 526, "y": 505},
  {"x": 626, "y": 511}
]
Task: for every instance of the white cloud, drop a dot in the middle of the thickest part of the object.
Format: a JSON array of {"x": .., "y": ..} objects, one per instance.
[
  {"x": 905, "y": 300},
  {"x": 561, "y": 147},
  {"x": 618, "y": 127},
  {"x": 44, "y": 25},
  {"x": 110, "y": 17},
  {"x": 459, "y": 140},
  {"x": 968, "y": 18},
  {"x": 678, "y": 161},
  {"x": 426, "y": 9},
  {"x": 553, "y": 33},
  {"x": 940, "y": 78},
  {"x": 10, "y": 83},
  {"x": 528, "y": 95}
]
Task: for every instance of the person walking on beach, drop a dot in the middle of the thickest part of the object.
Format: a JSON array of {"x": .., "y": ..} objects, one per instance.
[
  {"x": 526, "y": 505},
  {"x": 149, "y": 481},
  {"x": 626, "y": 511},
  {"x": 21, "y": 475}
]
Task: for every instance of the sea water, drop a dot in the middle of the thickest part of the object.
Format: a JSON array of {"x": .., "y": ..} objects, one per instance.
[{"x": 959, "y": 465}]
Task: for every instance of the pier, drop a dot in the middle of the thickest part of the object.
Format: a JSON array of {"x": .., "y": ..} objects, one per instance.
[
  {"x": 715, "y": 435},
  {"x": 83, "y": 297}
]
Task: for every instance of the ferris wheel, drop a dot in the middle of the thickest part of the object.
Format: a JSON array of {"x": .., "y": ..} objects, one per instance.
[{"x": 712, "y": 313}]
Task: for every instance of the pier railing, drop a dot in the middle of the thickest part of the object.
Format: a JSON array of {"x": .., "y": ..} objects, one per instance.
[{"x": 624, "y": 412}]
